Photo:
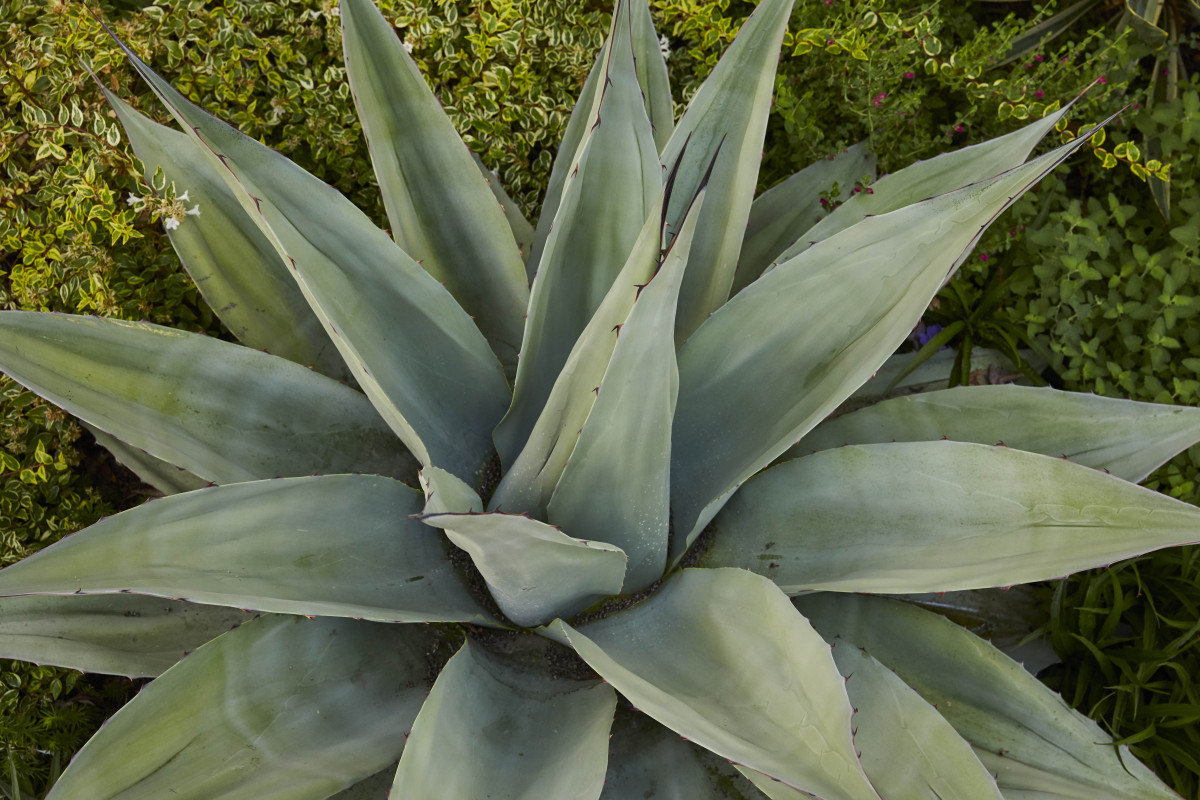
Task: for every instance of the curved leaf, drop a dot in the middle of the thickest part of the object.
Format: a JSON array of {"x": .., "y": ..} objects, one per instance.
[
  {"x": 221, "y": 411},
  {"x": 113, "y": 634},
  {"x": 285, "y": 545},
  {"x": 647, "y": 760},
  {"x": 282, "y": 707},
  {"x": 785, "y": 352},
  {"x": 938, "y": 516},
  {"x": 1021, "y": 730},
  {"x": 783, "y": 212},
  {"x": 535, "y": 571},
  {"x": 234, "y": 266},
  {"x": 490, "y": 729},
  {"x": 728, "y": 113},
  {"x": 1127, "y": 438},
  {"x": 418, "y": 356},
  {"x": 908, "y": 750},
  {"x": 531, "y": 478},
  {"x": 606, "y": 200},
  {"x": 927, "y": 179},
  {"x": 616, "y": 484},
  {"x": 721, "y": 657},
  {"x": 441, "y": 211},
  {"x": 446, "y": 494},
  {"x": 167, "y": 478},
  {"x": 652, "y": 73},
  {"x": 522, "y": 231}
]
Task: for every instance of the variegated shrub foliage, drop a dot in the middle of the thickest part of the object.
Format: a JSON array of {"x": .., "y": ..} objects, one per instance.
[{"x": 619, "y": 483}]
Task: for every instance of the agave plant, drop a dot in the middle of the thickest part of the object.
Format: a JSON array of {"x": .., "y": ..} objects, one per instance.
[{"x": 623, "y": 576}]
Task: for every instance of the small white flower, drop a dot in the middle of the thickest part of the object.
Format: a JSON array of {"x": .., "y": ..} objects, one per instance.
[
  {"x": 134, "y": 200},
  {"x": 182, "y": 197},
  {"x": 170, "y": 223},
  {"x": 664, "y": 44},
  {"x": 194, "y": 211},
  {"x": 408, "y": 47}
]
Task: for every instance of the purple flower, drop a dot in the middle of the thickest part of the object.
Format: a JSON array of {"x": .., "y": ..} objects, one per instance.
[{"x": 927, "y": 332}]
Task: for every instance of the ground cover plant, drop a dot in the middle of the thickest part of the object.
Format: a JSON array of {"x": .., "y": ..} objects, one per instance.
[{"x": 493, "y": 642}]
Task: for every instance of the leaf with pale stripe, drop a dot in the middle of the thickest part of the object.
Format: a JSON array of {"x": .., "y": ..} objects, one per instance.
[
  {"x": 607, "y": 197},
  {"x": 938, "y": 516},
  {"x": 223, "y": 412},
  {"x": 286, "y": 546},
  {"x": 529, "y": 481},
  {"x": 417, "y": 355},
  {"x": 1124, "y": 437},
  {"x": 167, "y": 478},
  {"x": 441, "y": 210},
  {"x": 925, "y": 179},
  {"x": 785, "y": 352},
  {"x": 535, "y": 571},
  {"x": 722, "y": 658},
  {"x": 909, "y": 750},
  {"x": 232, "y": 263},
  {"x": 506, "y": 731},
  {"x": 616, "y": 485},
  {"x": 283, "y": 708},
  {"x": 728, "y": 113},
  {"x": 122, "y": 634},
  {"x": 1021, "y": 730},
  {"x": 783, "y": 212},
  {"x": 647, "y": 760}
]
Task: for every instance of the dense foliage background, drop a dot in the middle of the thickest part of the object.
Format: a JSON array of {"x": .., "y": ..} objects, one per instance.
[{"x": 1096, "y": 269}]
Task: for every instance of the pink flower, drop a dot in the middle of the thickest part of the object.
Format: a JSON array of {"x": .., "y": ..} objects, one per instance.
[
  {"x": 878, "y": 99},
  {"x": 1039, "y": 58},
  {"x": 1039, "y": 94},
  {"x": 909, "y": 75},
  {"x": 983, "y": 256},
  {"x": 1102, "y": 79},
  {"x": 958, "y": 128}
]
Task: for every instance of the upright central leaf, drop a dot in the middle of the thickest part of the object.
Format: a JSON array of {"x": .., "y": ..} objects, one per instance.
[
  {"x": 611, "y": 189},
  {"x": 730, "y": 113},
  {"x": 616, "y": 485}
]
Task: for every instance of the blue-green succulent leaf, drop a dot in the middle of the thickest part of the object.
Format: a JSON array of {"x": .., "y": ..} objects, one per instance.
[
  {"x": 785, "y": 352},
  {"x": 497, "y": 730},
  {"x": 656, "y": 91},
  {"x": 783, "y": 212},
  {"x": 522, "y": 231},
  {"x": 441, "y": 210},
  {"x": 722, "y": 658},
  {"x": 232, "y": 263},
  {"x": 607, "y": 197},
  {"x": 223, "y": 412},
  {"x": 417, "y": 355},
  {"x": 529, "y": 482},
  {"x": 1127, "y": 438},
  {"x": 337, "y": 545},
  {"x": 167, "y": 478},
  {"x": 938, "y": 516},
  {"x": 647, "y": 760},
  {"x": 1025, "y": 735},
  {"x": 924, "y": 179},
  {"x": 909, "y": 750},
  {"x": 616, "y": 484},
  {"x": 535, "y": 571},
  {"x": 282, "y": 708},
  {"x": 446, "y": 494},
  {"x": 729, "y": 113},
  {"x": 116, "y": 634}
]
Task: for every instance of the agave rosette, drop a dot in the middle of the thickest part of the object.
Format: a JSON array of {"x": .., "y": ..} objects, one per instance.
[{"x": 659, "y": 508}]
